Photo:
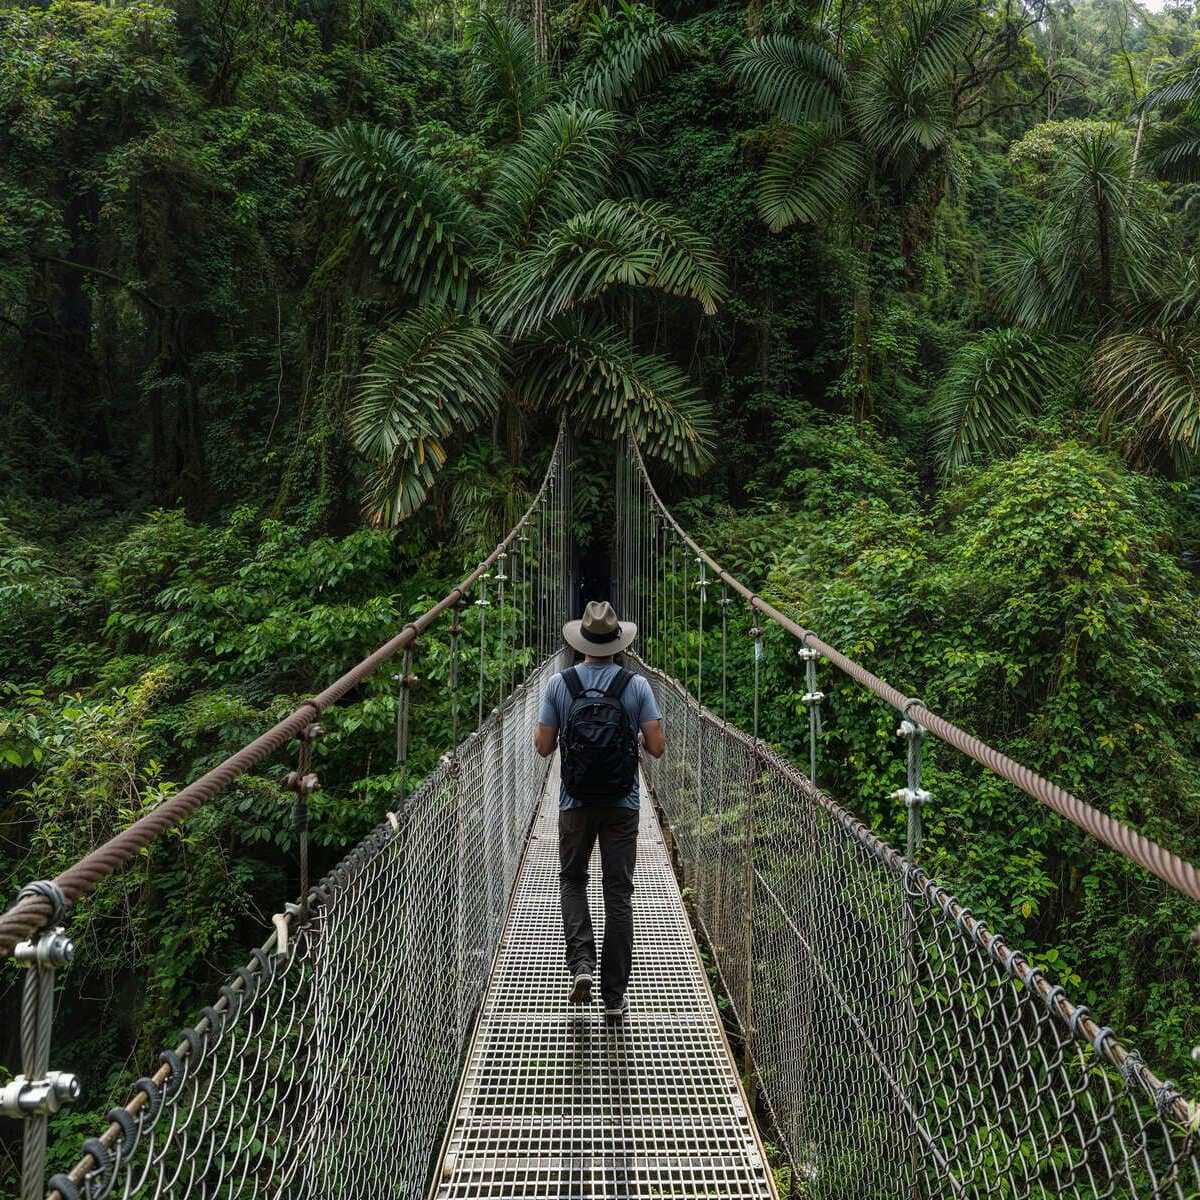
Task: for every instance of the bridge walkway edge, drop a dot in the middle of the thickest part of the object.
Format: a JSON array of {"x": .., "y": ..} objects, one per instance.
[{"x": 556, "y": 1101}]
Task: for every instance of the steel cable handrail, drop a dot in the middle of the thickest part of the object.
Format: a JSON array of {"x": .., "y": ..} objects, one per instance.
[
  {"x": 33, "y": 913},
  {"x": 1168, "y": 866}
]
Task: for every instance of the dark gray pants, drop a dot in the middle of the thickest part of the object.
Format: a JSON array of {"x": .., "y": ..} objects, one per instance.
[{"x": 578, "y": 831}]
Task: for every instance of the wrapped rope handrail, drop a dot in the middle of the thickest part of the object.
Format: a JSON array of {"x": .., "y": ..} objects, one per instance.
[{"x": 1173, "y": 870}]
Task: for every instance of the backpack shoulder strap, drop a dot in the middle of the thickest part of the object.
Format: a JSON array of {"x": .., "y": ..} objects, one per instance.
[
  {"x": 574, "y": 684},
  {"x": 619, "y": 683}
]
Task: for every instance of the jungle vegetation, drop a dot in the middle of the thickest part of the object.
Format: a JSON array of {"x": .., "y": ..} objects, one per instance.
[{"x": 901, "y": 297}]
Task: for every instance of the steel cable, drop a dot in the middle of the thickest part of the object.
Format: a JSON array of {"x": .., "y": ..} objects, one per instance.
[{"x": 1156, "y": 859}]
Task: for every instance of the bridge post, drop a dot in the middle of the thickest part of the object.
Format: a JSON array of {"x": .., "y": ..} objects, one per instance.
[
  {"x": 913, "y": 795},
  {"x": 812, "y": 701},
  {"x": 37, "y": 1093},
  {"x": 756, "y": 632},
  {"x": 304, "y": 782}
]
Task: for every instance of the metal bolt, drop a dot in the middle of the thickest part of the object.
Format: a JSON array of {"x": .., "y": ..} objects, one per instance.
[
  {"x": 52, "y": 949},
  {"x": 23, "y": 1097},
  {"x": 303, "y": 784}
]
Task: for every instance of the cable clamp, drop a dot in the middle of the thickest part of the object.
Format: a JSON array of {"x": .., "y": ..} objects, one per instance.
[
  {"x": 1165, "y": 1096},
  {"x": 22, "y": 1097},
  {"x": 807, "y": 654},
  {"x": 912, "y": 797},
  {"x": 1130, "y": 1067},
  {"x": 303, "y": 785},
  {"x": 812, "y": 697},
  {"x": 52, "y": 949}
]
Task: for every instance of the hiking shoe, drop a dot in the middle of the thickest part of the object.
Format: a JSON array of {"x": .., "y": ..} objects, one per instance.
[
  {"x": 618, "y": 1011},
  {"x": 581, "y": 987}
]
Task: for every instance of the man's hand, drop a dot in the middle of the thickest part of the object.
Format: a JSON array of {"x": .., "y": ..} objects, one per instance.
[
  {"x": 653, "y": 739},
  {"x": 545, "y": 740}
]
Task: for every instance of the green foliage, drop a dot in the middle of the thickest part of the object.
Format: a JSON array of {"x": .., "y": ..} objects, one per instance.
[
  {"x": 419, "y": 229},
  {"x": 993, "y": 384},
  {"x": 555, "y": 239},
  {"x": 1149, "y": 381},
  {"x": 624, "y": 55},
  {"x": 284, "y": 261},
  {"x": 431, "y": 374},
  {"x": 504, "y": 76},
  {"x": 1041, "y": 605}
]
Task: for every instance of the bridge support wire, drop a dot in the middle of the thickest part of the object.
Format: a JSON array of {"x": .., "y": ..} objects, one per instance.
[
  {"x": 901, "y": 1047},
  {"x": 326, "y": 1063}
]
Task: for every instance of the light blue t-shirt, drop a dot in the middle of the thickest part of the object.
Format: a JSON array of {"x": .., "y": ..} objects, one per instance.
[{"x": 637, "y": 700}]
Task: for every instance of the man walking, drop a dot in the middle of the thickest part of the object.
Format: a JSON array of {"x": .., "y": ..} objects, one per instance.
[{"x": 593, "y": 713}]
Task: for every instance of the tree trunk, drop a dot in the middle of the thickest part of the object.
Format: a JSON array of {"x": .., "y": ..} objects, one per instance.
[{"x": 539, "y": 30}]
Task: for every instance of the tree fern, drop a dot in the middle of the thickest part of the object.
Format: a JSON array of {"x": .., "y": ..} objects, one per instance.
[
  {"x": 993, "y": 384},
  {"x": 420, "y": 231},
  {"x": 433, "y": 373}
]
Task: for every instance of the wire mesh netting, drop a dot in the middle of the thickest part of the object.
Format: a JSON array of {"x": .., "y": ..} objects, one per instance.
[
  {"x": 329, "y": 1065},
  {"x": 902, "y": 1048}
]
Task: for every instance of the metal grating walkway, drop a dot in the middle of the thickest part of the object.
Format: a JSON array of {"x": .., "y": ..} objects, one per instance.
[{"x": 557, "y": 1102}]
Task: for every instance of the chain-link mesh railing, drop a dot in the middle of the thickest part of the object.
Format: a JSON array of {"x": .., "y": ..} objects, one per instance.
[
  {"x": 902, "y": 1048},
  {"x": 327, "y": 1064}
]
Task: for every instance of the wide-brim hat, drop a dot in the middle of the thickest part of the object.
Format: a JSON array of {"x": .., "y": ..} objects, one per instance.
[{"x": 599, "y": 633}]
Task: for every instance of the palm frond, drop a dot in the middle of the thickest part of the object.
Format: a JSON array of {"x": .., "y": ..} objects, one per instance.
[
  {"x": 615, "y": 242},
  {"x": 812, "y": 172},
  {"x": 1174, "y": 150},
  {"x": 900, "y": 115},
  {"x": 433, "y": 373},
  {"x": 993, "y": 383},
  {"x": 504, "y": 74},
  {"x": 1149, "y": 381},
  {"x": 598, "y": 375},
  {"x": 562, "y": 164},
  {"x": 936, "y": 33},
  {"x": 1183, "y": 87},
  {"x": 621, "y": 57},
  {"x": 796, "y": 80},
  {"x": 1040, "y": 279},
  {"x": 395, "y": 488},
  {"x": 419, "y": 229},
  {"x": 636, "y": 167}
]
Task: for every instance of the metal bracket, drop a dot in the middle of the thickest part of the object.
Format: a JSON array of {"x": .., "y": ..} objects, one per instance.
[
  {"x": 280, "y": 921},
  {"x": 23, "y": 1097},
  {"x": 52, "y": 949},
  {"x": 913, "y": 795}
]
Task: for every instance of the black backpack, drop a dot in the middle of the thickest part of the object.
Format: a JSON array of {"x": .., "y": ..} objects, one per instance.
[{"x": 598, "y": 743}]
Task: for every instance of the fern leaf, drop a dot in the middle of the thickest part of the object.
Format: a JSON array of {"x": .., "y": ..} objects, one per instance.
[
  {"x": 420, "y": 231},
  {"x": 798, "y": 81},
  {"x": 433, "y": 374},
  {"x": 592, "y": 369}
]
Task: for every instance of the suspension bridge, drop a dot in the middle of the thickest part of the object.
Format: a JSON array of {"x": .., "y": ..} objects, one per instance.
[{"x": 403, "y": 1030}]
